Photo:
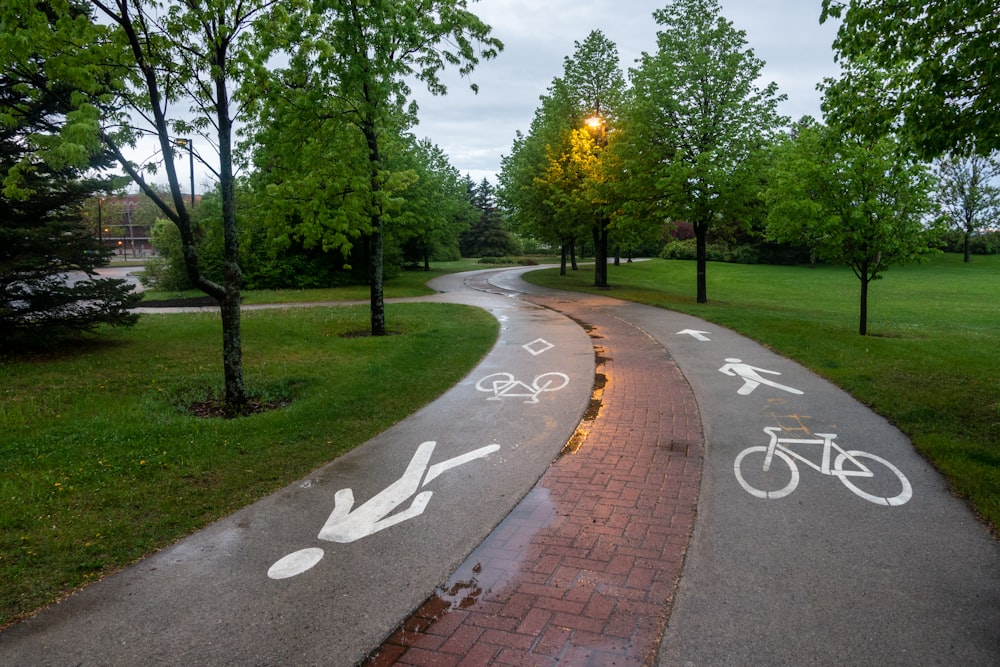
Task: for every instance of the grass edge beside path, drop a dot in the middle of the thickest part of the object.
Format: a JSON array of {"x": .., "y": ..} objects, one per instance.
[
  {"x": 929, "y": 365},
  {"x": 101, "y": 464}
]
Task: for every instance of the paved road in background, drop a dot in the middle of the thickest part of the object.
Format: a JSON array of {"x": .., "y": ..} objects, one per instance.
[{"x": 834, "y": 568}]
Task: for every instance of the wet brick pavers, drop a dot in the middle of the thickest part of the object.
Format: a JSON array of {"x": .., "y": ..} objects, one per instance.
[{"x": 584, "y": 570}]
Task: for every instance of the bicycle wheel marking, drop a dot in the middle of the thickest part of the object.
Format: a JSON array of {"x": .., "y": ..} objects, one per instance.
[
  {"x": 759, "y": 493},
  {"x": 503, "y": 385},
  {"x": 753, "y": 472},
  {"x": 901, "y": 498}
]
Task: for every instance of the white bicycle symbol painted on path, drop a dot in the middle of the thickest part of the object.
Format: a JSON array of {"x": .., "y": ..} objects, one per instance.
[
  {"x": 755, "y": 474},
  {"x": 503, "y": 385}
]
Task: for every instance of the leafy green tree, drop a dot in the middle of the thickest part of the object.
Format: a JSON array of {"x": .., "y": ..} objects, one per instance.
[
  {"x": 129, "y": 66},
  {"x": 435, "y": 209},
  {"x": 367, "y": 53},
  {"x": 695, "y": 116},
  {"x": 554, "y": 182},
  {"x": 855, "y": 201},
  {"x": 487, "y": 237},
  {"x": 927, "y": 69},
  {"x": 969, "y": 194},
  {"x": 43, "y": 233},
  {"x": 595, "y": 82},
  {"x": 527, "y": 192}
]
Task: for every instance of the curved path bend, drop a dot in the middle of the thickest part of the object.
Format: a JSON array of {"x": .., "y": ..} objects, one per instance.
[{"x": 464, "y": 535}]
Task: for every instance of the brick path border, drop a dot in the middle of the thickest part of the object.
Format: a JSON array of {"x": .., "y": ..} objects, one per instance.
[{"x": 584, "y": 570}]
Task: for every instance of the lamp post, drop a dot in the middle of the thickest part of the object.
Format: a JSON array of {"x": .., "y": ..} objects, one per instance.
[
  {"x": 190, "y": 148},
  {"x": 100, "y": 236},
  {"x": 598, "y": 129}
]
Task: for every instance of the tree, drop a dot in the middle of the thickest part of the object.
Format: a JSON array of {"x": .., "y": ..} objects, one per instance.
[
  {"x": 695, "y": 116},
  {"x": 435, "y": 209},
  {"x": 969, "y": 194},
  {"x": 528, "y": 194},
  {"x": 487, "y": 236},
  {"x": 854, "y": 200},
  {"x": 44, "y": 233},
  {"x": 926, "y": 69},
  {"x": 126, "y": 69},
  {"x": 368, "y": 51},
  {"x": 554, "y": 182},
  {"x": 597, "y": 86}
]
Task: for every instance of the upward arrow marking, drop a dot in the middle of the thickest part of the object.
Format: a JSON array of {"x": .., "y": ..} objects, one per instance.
[{"x": 697, "y": 335}]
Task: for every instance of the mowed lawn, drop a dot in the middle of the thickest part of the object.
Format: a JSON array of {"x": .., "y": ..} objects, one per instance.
[
  {"x": 930, "y": 364},
  {"x": 101, "y": 463}
]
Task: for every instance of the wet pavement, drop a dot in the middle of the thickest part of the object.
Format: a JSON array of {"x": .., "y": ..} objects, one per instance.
[
  {"x": 589, "y": 501},
  {"x": 583, "y": 571}
]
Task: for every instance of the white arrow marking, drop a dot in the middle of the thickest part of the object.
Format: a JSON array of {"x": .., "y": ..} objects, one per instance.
[
  {"x": 697, "y": 335},
  {"x": 345, "y": 525}
]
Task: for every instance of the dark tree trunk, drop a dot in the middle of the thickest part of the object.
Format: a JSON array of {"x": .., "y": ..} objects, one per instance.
[
  {"x": 600, "y": 231},
  {"x": 375, "y": 260},
  {"x": 700, "y": 234},
  {"x": 563, "y": 252},
  {"x": 863, "y": 315},
  {"x": 232, "y": 276}
]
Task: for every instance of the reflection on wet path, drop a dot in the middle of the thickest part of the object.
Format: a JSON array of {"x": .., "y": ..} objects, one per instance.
[{"x": 584, "y": 569}]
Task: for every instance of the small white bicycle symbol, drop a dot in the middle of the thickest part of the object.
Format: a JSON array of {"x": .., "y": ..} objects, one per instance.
[
  {"x": 756, "y": 475},
  {"x": 503, "y": 385}
]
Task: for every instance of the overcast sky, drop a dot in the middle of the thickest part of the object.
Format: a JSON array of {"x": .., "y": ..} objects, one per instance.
[{"x": 475, "y": 130}]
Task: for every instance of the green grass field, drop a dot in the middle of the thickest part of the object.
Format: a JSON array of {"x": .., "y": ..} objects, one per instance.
[
  {"x": 930, "y": 363},
  {"x": 100, "y": 463}
]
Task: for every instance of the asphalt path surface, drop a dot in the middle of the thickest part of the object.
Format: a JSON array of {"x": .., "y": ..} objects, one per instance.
[{"x": 840, "y": 569}]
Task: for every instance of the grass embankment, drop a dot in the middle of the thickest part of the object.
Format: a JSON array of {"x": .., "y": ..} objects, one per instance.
[
  {"x": 100, "y": 463},
  {"x": 930, "y": 363}
]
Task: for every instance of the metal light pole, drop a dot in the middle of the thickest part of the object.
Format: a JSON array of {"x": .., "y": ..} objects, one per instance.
[
  {"x": 190, "y": 147},
  {"x": 100, "y": 235}
]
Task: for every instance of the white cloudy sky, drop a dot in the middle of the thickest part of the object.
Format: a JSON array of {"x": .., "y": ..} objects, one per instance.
[{"x": 475, "y": 130}]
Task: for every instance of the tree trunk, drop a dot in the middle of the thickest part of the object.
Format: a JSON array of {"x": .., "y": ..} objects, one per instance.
[
  {"x": 232, "y": 276},
  {"x": 863, "y": 315},
  {"x": 563, "y": 252},
  {"x": 700, "y": 234},
  {"x": 375, "y": 261},
  {"x": 572, "y": 254},
  {"x": 600, "y": 231},
  {"x": 968, "y": 248}
]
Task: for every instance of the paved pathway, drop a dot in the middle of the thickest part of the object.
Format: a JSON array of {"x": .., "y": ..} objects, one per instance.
[
  {"x": 593, "y": 564},
  {"x": 584, "y": 569}
]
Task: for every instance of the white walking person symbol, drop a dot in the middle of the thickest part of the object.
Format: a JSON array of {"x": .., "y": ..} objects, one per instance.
[
  {"x": 347, "y": 523},
  {"x": 752, "y": 378}
]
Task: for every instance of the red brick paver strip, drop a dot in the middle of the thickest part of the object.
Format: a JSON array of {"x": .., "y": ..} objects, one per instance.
[{"x": 583, "y": 571}]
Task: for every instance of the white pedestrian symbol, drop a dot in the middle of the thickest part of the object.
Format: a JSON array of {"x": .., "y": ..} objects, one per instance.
[
  {"x": 751, "y": 377},
  {"x": 347, "y": 524},
  {"x": 503, "y": 385}
]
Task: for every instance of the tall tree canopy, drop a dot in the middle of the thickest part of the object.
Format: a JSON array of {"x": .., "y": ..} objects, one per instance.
[
  {"x": 853, "y": 200},
  {"x": 136, "y": 69},
  {"x": 929, "y": 68},
  {"x": 555, "y": 181},
  {"x": 696, "y": 114},
  {"x": 43, "y": 234},
  {"x": 357, "y": 65},
  {"x": 969, "y": 194}
]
